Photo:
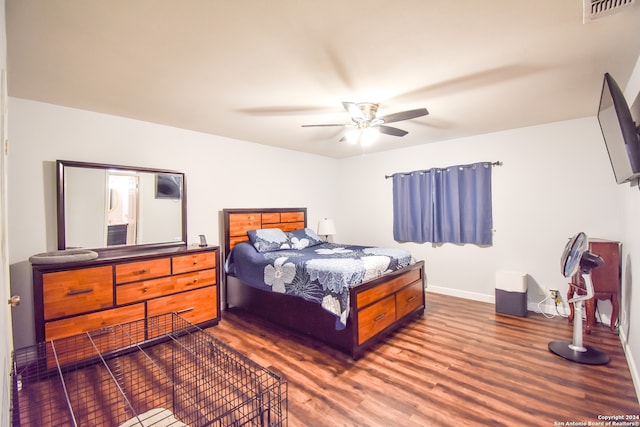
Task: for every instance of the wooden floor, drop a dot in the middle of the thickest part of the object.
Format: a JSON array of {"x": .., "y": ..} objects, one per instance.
[{"x": 460, "y": 364}]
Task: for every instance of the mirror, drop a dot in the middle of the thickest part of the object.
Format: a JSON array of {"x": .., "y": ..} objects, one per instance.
[{"x": 105, "y": 207}]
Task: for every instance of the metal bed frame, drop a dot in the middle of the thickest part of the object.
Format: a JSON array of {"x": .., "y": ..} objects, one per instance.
[{"x": 169, "y": 372}]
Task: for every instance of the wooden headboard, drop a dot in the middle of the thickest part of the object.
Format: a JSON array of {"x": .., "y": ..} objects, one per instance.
[{"x": 237, "y": 222}]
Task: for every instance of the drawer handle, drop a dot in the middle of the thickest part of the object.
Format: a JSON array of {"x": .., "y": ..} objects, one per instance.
[
  {"x": 79, "y": 291},
  {"x": 193, "y": 282},
  {"x": 195, "y": 262},
  {"x": 143, "y": 271},
  {"x": 379, "y": 317},
  {"x": 410, "y": 299},
  {"x": 145, "y": 290},
  {"x": 184, "y": 310}
]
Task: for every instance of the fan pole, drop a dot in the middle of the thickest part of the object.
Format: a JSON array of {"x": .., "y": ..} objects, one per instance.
[
  {"x": 576, "y": 351},
  {"x": 576, "y": 345}
]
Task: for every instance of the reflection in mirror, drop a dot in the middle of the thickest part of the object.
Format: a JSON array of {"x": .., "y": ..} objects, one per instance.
[
  {"x": 122, "y": 215},
  {"x": 107, "y": 206}
]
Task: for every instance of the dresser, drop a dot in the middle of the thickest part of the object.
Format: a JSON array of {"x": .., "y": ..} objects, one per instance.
[
  {"x": 74, "y": 298},
  {"x": 605, "y": 279}
]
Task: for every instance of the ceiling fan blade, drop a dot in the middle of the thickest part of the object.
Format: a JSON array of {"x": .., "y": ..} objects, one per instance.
[
  {"x": 404, "y": 115},
  {"x": 323, "y": 125},
  {"x": 388, "y": 130},
  {"x": 354, "y": 111}
]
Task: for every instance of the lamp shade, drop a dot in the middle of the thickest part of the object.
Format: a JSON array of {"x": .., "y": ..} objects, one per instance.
[{"x": 326, "y": 227}]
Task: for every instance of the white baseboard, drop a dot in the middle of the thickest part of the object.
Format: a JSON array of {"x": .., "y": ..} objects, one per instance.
[
  {"x": 633, "y": 368},
  {"x": 462, "y": 294},
  {"x": 546, "y": 308}
]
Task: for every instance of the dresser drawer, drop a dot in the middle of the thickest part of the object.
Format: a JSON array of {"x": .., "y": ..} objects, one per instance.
[
  {"x": 92, "y": 321},
  {"x": 375, "y": 318},
  {"x": 371, "y": 295},
  {"x": 142, "y": 270},
  {"x": 148, "y": 289},
  {"x": 186, "y": 263},
  {"x": 77, "y": 291},
  {"x": 408, "y": 299},
  {"x": 77, "y": 338},
  {"x": 196, "y": 306}
]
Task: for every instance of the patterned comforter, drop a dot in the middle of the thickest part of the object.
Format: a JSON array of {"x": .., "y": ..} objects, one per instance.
[{"x": 322, "y": 273}]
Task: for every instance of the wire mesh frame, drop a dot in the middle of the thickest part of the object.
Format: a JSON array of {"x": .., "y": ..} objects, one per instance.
[{"x": 158, "y": 371}]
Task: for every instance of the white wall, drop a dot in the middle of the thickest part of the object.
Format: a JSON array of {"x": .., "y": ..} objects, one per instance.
[
  {"x": 630, "y": 314},
  {"x": 220, "y": 173}
]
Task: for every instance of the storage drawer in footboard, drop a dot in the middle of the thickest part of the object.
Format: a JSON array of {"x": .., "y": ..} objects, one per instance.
[
  {"x": 375, "y": 318},
  {"x": 374, "y": 293},
  {"x": 409, "y": 298}
]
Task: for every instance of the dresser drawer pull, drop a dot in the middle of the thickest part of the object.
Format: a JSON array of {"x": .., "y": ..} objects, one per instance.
[
  {"x": 193, "y": 282},
  {"x": 410, "y": 299},
  {"x": 79, "y": 291},
  {"x": 145, "y": 290},
  {"x": 379, "y": 317},
  {"x": 184, "y": 310},
  {"x": 144, "y": 271},
  {"x": 195, "y": 262}
]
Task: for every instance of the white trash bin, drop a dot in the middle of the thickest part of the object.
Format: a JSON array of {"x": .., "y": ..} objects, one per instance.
[{"x": 511, "y": 293}]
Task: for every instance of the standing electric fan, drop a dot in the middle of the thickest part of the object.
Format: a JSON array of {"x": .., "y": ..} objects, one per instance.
[{"x": 576, "y": 256}]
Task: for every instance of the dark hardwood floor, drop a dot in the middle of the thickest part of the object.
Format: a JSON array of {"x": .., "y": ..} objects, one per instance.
[{"x": 460, "y": 364}]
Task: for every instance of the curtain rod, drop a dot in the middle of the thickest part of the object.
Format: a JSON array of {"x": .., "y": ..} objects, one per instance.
[{"x": 496, "y": 163}]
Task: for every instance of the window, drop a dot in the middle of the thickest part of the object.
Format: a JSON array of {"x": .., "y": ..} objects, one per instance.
[{"x": 452, "y": 205}]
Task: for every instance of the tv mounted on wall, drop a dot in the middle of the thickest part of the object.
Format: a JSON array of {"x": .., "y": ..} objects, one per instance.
[
  {"x": 168, "y": 186},
  {"x": 620, "y": 133}
]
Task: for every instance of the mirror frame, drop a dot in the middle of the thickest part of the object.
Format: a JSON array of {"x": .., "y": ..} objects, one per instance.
[{"x": 60, "y": 181}]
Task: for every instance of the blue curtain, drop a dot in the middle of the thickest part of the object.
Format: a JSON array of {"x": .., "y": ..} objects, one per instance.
[{"x": 444, "y": 205}]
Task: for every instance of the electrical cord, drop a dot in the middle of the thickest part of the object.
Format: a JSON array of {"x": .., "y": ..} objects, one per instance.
[
  {"x": 560, "y": 302},
  {"x": 548, "y": 316},
  {"x": 557, "y": 301}
]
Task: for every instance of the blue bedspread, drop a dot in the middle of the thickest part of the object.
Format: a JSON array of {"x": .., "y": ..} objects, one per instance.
[{"x": 323, "y": 273}]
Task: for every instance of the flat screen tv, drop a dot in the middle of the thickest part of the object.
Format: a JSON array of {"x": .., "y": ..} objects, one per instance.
[{"x": 620, "y": 133}]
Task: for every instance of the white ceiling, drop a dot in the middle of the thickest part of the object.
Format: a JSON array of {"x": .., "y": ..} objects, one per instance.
[{"x": 257, "y": 70}]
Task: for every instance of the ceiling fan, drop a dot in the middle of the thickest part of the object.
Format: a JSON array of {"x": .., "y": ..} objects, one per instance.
[{"x": 363, "y": 119}]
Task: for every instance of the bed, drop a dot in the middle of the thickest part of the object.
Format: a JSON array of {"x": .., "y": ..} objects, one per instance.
[{"x": 353, "y": 319}]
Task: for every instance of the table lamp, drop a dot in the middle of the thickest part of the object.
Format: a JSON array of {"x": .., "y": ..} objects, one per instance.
[{"x": 326, "y": 228}]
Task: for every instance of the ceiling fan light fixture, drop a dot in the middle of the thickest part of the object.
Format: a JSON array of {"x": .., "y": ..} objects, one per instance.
[
  {"x": 364, "y": 136},
  {"x": 365, "y": 127},
  {"x": 369, "y": 136},
  {"x": 352, "y": 136}
]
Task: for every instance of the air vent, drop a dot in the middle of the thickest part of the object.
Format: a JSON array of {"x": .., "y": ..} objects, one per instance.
[{"x": 596, "y": 9}]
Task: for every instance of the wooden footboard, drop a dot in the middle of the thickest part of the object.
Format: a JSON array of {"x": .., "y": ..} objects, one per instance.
[{"x": 377, "y": 308}]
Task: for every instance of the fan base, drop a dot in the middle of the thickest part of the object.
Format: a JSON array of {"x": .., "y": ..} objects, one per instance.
[{"x": 591, "y": 356}]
